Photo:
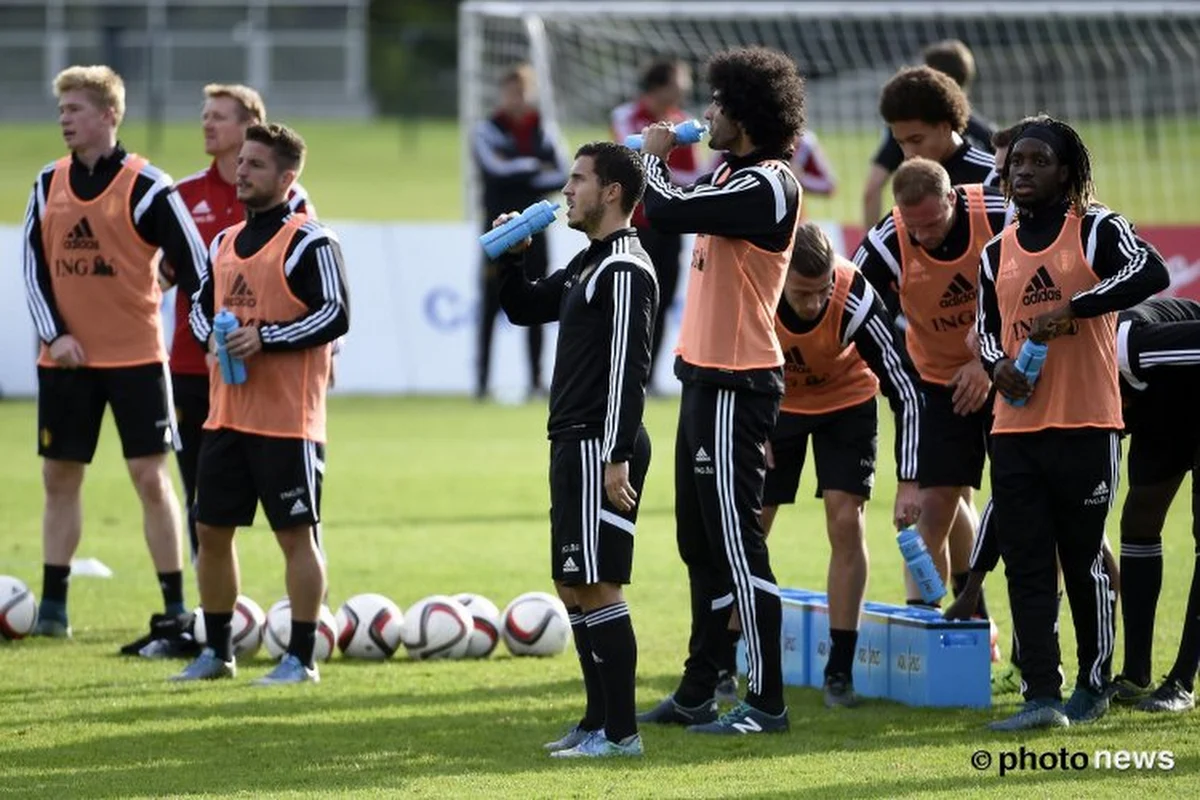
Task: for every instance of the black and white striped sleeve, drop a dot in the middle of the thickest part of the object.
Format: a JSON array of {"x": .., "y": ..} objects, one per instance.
[
  {"x": 39, "y": 291},
  {"x": 988, "y": 324},
  {"x": 1129, "y": 268},
  {"x": 755, "y": 201},
  {"x": 1144, "y": 347},
  {"x": 316, "y": 274},
  {"x": 626, "y": 291},
  {"x": 204, "y": 306},
  {"x": 868, "y": 326},
  {"x": 161, "y": 218},
  {"x": 878, "y": 259}
]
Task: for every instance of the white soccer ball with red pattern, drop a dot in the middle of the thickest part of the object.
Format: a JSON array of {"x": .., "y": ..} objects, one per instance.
[
  {"x": 277, "y": 632},
  {"x": 437, "y": 627},
  {"x": 18, "y": 609},
  {"x": 536, "y": 624},
  {"x": 248, "y": 623},
  {"x": 369, "y": 627},
  {"x": 485, "y": 633}
]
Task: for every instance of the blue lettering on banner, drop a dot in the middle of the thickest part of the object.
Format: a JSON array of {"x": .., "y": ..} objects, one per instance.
[{"x": 447, "y": 310}]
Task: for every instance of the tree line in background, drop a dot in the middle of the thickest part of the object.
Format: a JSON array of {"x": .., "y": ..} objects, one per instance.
[{"x": 414, "y": 57}]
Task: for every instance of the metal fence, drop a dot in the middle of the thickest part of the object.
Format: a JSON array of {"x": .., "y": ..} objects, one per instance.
[{"x": 307, "y": 57}]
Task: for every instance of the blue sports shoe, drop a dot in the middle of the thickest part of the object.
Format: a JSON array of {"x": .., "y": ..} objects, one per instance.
[
  {"x": 52, "y": 628},
  {"x": 1037, "y": 713},
  {"x": 290, "y": 670},
  {"x": 1086, "y": 705},
  {"x": 207, "y": 667},
  {"x": 573, "y": 737},
  {"x": 598, "y": 745},
  {"x": 669, "y": 712},
  {"x": 742, "y": 719}
]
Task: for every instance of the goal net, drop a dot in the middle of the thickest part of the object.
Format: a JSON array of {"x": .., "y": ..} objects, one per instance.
[{"x": 1127, "y": 74}]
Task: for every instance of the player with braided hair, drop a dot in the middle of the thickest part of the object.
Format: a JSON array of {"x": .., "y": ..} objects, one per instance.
[{"x": 1059, "y": 275}]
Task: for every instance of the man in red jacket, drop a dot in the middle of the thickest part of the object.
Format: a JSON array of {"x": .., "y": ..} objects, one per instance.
[
  {"x": 211, "y": 197},
  {"x": 664, "y": 84}
]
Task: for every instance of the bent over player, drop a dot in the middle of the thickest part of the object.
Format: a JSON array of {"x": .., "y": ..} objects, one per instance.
[
  {"x": 281, "y": 274},
  {"x": 838, "y": 349},
  {"x": 604, "y": 302}
]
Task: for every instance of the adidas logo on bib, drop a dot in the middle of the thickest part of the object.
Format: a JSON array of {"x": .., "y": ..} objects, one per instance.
[
  {"x": 959, "y": 292},
  {"x": 81, "y": 237},
  {"x": 1041, "y": 289}
]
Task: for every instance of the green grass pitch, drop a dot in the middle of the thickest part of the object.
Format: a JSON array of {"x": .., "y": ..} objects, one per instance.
[
  {"x": 438, "y": 495},
  {"x": 385, "y": 170}
]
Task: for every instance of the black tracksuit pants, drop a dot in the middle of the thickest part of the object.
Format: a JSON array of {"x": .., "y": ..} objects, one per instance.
[
  {"x": 1052, "y": 491},
  {"x": 720, "y": 466}
]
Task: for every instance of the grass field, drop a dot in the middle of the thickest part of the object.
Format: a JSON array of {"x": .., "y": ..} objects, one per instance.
[
  {"x": 385, "y": 170},
  {"x": 437, "y": 495}
]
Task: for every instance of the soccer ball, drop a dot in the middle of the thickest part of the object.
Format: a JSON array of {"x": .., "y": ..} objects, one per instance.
[
  {"x": 369, "y": 627},
  {"x": 277, "y": 632},
  {"x": 485, "y": 633},
  {"x": 535, "y": 624},
  {"x": 18, "y": 609},
  {"x": 248, "y": 621},
  {"x": 437, "y": 627}
]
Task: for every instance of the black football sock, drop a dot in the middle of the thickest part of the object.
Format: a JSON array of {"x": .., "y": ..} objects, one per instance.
[
  {"x": 55, "y": 582},
  {"x": 218, "y": 628},
  {"x": 1141, "y": 582},
  {"x": 303, "y": 642},
  {"x": 171, "y": 584},
  {"x": 615, "y": 649},
  {"x": 593, "y": 714},
  {"x": 841, "y": 652},
  {"x": 1188, "y": 659}
]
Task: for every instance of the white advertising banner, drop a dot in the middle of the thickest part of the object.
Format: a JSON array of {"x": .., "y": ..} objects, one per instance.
[{"x": 414, "y": 298}]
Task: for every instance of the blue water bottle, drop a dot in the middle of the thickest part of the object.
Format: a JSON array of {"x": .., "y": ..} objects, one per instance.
[
  {"x": 920, "y": 565},
  {"x": 233, "y": 370},
  {"x": 534, "y": 219},
  {"x": 1029, "y": 363},
  {"x": 688, "y": 132}
]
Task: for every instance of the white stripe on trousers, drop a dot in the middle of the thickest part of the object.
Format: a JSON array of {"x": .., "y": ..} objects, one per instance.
[
  {"x": 1105, "y": 629},
  {"x": 172, "y": 419},
  {"x": 589, "y": 508},
  {"x": 731, "y": 533},
  {"x": 313, "y": 465}
]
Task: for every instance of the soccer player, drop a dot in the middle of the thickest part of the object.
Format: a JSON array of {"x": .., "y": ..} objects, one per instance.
[
  {"x": 95, "y": 222},
  {"x": 950, "y": 57},
  {"x": 1059, "y": 275},
  {"x": 281, "y": 274},
  {"x": 1158, "y": 343},
  {"x": 211, "y": 198},
  {"x": 923, "y": 259},
  {"x": 838, "y": 350},
  {"x": 519, "y": 163},
  {"x": 604, "y": 302},
  {"x": 664, "y": 84},
  {"x": 730, "y": 364}
]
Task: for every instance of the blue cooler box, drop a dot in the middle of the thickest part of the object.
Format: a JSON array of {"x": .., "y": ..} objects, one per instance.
[
  {"x": 793, "y": 637},
  {"x": 936, "y": 662},
  {"x": 870, "y": 670}
]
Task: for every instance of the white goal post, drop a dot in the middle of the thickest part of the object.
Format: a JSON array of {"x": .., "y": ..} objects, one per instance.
[{"x": 1127, "y": 74}]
